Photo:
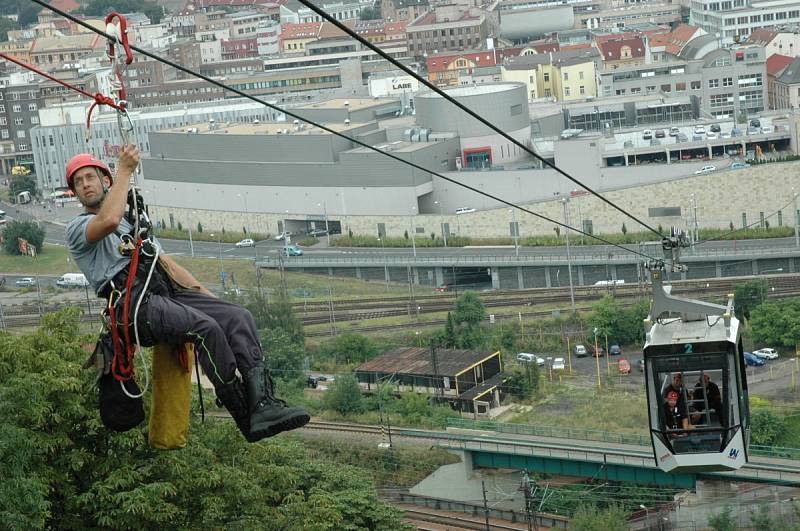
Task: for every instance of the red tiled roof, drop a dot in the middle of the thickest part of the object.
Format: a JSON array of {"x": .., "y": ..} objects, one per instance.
[
  {"x": 612, "y": 50},
  {"x": 543, "y": 46},
  {"x": 615, "y": 36},
  {"x": 65, "y": 5},
  {"x": 674, "y": 41},
  {"x": 297, "y": 31},
  {"x": 329, "y": 31},
  {"x": 566, "y": 47},
  {"x": 762, "y": 36},
  {"x": 430, "y": 18},
  {"x": 776, "y": 63},
  {"x": 396, "y": 27},
  {"x": 475, "y": 58}
]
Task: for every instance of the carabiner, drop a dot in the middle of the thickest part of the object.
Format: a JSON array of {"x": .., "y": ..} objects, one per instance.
[
  {"x": 125, "y": 129},
  {"x": 120, "y": 34}
]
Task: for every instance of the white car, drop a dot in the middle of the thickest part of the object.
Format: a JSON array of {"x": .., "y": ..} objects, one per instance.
[
  {"x": 247, "y": 242},
  {"x": 26, "y": 282},
  {"x": 525, "y": 357},
  {"x": 699, "y": 130},
  {"x": 647, "y": 134},
  {"x": 283, "y": 235},
  {"x": 558, "y": 364},
  {"x": 711, "y": 135},
  {"x": 464, "y": 210},
  {"x": 766, "y": 353},
  {"x": 705, "y": 169}
]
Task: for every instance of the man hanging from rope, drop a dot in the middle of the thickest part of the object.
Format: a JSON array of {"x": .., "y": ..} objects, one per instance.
[{"x": 224, "y": 334}]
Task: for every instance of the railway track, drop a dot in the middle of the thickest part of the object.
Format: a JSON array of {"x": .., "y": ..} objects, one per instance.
[{"x": 420, "y": 516}]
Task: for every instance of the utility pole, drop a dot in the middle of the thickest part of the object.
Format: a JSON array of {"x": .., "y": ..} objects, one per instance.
[
  {"x": 526, "y": 490},
  {"x": 569, "y": 258},
  {"x": 485, "y": 505},
  {"x": 435, "y": 367},
  {"x": 796, "y": 220}
]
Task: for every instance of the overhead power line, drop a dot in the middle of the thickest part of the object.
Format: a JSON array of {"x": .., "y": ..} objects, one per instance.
[
  {"x": 256, "y": 99},
  {"x": 469, "y": 111}
]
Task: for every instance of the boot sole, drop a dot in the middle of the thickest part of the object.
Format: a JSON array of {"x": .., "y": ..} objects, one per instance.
[{"x": 287, "y": 423}]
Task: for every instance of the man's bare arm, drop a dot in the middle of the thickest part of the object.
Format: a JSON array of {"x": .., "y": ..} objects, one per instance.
[{"x": 113, "y": 208}]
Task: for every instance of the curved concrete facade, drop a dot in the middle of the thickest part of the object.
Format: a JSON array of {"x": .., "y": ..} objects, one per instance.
[{"x": 505, "y": 104}]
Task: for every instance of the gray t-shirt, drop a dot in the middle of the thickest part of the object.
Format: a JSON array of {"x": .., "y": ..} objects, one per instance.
[{"x": 101, "y": 261}]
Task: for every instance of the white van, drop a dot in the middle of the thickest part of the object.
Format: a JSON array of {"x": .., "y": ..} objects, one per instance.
[
  {"x": 525, "y": 357},
  {"x": 464, "y": 210},
  {"x": 72, "y": 280}
]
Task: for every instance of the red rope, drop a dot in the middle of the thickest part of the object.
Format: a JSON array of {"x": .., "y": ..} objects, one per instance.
[
  {"x": 122, "y": 363},
  {"x": 99, "y": 98}
]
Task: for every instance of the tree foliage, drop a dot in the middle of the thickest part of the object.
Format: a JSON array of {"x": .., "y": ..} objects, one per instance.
[
  {"x": 6, "y": 25},
  {"x": 349, "y": 347},
  {"x": 62, "y": 469},
  {"x": 27, "y": 230},
  {"x": 468, "y": 314},
  {"x": 283, "y": 356},
  {"x": 767, "y": 428},
  {"x": 22, "y": 183},
  {"x": 591, "y": 518},
  {"x": 371, "y": 12},
  {"x": 748, "y": 296},
  {"x": 345, "y": 396},
  {"x": 776, "y": 323},
  {"x": 623, "y": 325},
  {"x": 277, "y": 314},
  {"x": 722, "y": 521},
  {"x": 523, "y": 383}
]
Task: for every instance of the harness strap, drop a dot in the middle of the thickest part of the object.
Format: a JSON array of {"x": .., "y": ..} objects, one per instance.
[{"x": 122, "y": 364}]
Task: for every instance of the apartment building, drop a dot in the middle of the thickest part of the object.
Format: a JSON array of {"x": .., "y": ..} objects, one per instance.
[
  {"x": 55, "y": 52},
  {"x": 776, "y": 64},
  {"x": 619, "y": 51},
  {"x": 785, "y": 89},
  {"x": 727, "y": 82},
  {"x": 294, "y": 37},
  {"x": 774, "y": 41},
  {"x": 563, "y": 76},
  {"x": 447, "y": 69},
  {"x": 447, "y": 29},
  {"x": 399, "y": 10},
  {"x": 735, "y": 20},
  {"x": 19, "y": 106}
]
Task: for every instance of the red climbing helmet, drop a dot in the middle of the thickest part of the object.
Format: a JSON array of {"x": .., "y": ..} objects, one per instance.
[
  {"x": 82, "y": 161},
  {"x": 672, "y": 395}
]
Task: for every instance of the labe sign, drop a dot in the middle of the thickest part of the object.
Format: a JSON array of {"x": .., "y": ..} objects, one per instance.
[
  {"x": 393, "y": 86},
  {"x": 401, "y": 86}
]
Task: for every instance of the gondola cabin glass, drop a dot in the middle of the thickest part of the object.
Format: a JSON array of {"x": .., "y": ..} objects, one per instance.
[{"x": 697, "y": 396}]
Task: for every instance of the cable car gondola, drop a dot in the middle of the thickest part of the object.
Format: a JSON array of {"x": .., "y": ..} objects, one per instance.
[{"x": 696, "y": 381}]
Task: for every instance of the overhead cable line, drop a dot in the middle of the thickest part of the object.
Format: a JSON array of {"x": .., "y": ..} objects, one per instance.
[
  {"x": 256, "y": 99},
  {"x": 469, "y": 111}
]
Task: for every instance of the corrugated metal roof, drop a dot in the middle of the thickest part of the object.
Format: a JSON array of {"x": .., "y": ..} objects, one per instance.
[
  {"x": 413, "y": 360},
  {"x": 482, "y": 388}
]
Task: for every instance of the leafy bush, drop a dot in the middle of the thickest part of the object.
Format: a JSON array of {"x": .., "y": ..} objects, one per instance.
[
  {"x": 309, "y": 241},
  {"x": 27, "y": 230}
]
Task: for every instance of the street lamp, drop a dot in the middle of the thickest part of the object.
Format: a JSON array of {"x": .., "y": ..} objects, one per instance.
[
  {"x": 221, "y": 270},
  {"x": 441, "y": 215},
  {"x": 564, "y": 202},
  {"x": 324, "y": 206},
  {"x": 413, "y": 231},
  {"x": 597, "y": 358},
  {"x": 385, "y": 265},
  {"x": 514, "y": 231}
]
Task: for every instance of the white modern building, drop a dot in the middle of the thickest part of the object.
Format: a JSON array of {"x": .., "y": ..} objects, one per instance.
[{"x": 733, "y": 20}]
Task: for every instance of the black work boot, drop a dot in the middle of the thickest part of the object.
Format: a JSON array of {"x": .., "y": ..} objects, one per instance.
[
  {"x": 269, "y": 415},
  {"x": 232, "y": 397}
]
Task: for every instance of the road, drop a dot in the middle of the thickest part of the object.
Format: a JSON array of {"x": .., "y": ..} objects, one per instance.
[{"x": 56, "y": 217}]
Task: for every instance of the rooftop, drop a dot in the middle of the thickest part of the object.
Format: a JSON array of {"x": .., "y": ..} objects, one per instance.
[
  {"x": 263, "y": 128},
  {"x": 477, "y": 90},
  {"x": 405, "y": 360},
  {"x": 339, "y": 103}
]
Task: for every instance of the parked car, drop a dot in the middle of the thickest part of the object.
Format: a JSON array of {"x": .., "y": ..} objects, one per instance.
[
  {"x": 640, "y": 364},
  {"x": 614, "y": 350},
  {"x": 755, "y": 122},
  {"x": 444, "y": 287},
  {"x": 674, "y": 131},
  {"x": 558, "y": 364},
  {"x": 247, "y": 242},
  {"x": 736, "y": 132},
  {"x": 767, "y": 129},
  {"x": 464, "y": 210},
  {"x": 624, "y": 367},
  {"x": 715, "y": 128},
  {"x": 681, "y": 137},
  {"x": 628, "y": 144},
  {"x": 752, "y": 360},
  {"x": 766, "y": 353},
  {"x": 711, "y": 136},
  {"x": 739, "y": 165},
  {"x": 706, "y": 169},
  {"x": 699, "y": 130},
  {"x": 525, "y": 357},
  {"x": 317, "y": 232},
  {"x": 580, "y": 351},
  {"x": 283, "y": 235},
  {"x": 72, "y": 280},
  {"x": 311, "y": 382},
  {"x": 660, "y": 133},
  {"x": 753, "y": 130},
  {"x": 292, "y": 250},
  {"x": 26, "y": 282},
  {"x": 598, "y": 352},
  {"x": 647, "y": 134}
]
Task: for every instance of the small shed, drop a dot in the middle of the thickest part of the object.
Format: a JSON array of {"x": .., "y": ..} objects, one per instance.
[{"x": 469, "y": 380}]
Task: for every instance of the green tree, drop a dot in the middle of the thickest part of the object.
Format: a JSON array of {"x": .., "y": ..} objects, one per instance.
[
  {"x": 62, "y": 469},
  {"x": 523, "y": 382},
  {"x": 762, "y": 519},
  {"x": 28, "y": 15},
  {"x": 749, "y": 295},
  {"x": 278, "y": 314},
  {"x": 768, "y": 429},
  {"x": 592, "y": 518},
  {"x": 624, "y": 229},
  {"x": 22, "y": 183},
  {"x": 469, "y": 310},
  {"x": 723, "y": 521},
  {"x": 27, "y": 230},
  {"x": 776, "y": 323},
  {"x": 371, "y": 13},
  {"x": 350, "y": 347},
  {"x": 345, "y": 395},
  {"x": 199, "y": 227},
  {"x": 283, "y": 356},
  {"x": 449, "y": 339},
  {"x": 605, "y": 317}
]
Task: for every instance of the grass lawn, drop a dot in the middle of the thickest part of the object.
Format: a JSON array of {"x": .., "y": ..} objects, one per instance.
[{"x": 53, "y": 260}]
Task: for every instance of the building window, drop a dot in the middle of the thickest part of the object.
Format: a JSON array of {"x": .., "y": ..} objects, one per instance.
[
  {"x": 34, "y": 120},
  {"x": 566, "y": 76},
  {"x": 19, "y": 121},
  {"x": 727, "y": 81},
  {"x": 16, "y": 108},
  {"x": 680, "y": 87},
  {"x": 696, "y": 85},
  {"x": 23, "y": 147},
  {"x": 3, "y": 120},
  {"x": 547, "y": 93},
  {"x": 666, "y": 88},
  {"x": 651, "y": 89},
  {"x": 713, "y": 83},
  {"x": 566, "y": 91},
  {"x": 580, "y": 74},
  {"x": 546, "y": 77},
  {"x": 31, "y": 107},
  {"x": 20, "y": 133},
  {"x": 2, "y": 108},
  {"x": 582, "y": 90},
  {"x": 620, "y": 92}
]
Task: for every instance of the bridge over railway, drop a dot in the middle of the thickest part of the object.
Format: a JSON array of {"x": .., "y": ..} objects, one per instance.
[{"x": 593, "y": 454}]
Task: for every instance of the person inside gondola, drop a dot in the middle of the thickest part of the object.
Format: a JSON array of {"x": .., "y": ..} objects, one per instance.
[
  {"x": 713, "y": 396},
  {"x": 674, "y": 416},
  {"x": 677, "y": 387}
]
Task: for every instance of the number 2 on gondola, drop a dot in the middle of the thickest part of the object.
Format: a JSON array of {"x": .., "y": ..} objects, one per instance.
[{"x": 687, "y": 348}]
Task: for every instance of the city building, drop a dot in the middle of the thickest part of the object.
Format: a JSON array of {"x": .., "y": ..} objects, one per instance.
[
  {"x": 621, "y": 51},
  {"x": 776, "y": 63},
  {"x": 447, "y": 28},
  {"x": 294, "y": 37},
  {"x": 728, "y": 82},
  {"x": 735, "y": 20},
  {"x": 624, "y": 15},
  {"x": 564, "y": 76},
  {"x": 786, "y": 86},
  {"x": 449, "y": 69},
  {"x": 667, "y": 46},
  {"x": 55, "y": 52},
  {"x": 62, "y": 131},
  {"x": 19, "y": 112},
  {"x": 403, "y": 10},
  {"x": 776, "y": 42}
]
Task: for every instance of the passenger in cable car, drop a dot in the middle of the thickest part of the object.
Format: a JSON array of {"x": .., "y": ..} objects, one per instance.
[
  {"x": 674, "y": 417},
  {"x": 706, "y": 387},
  {"x": 677, "y": 387}
]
